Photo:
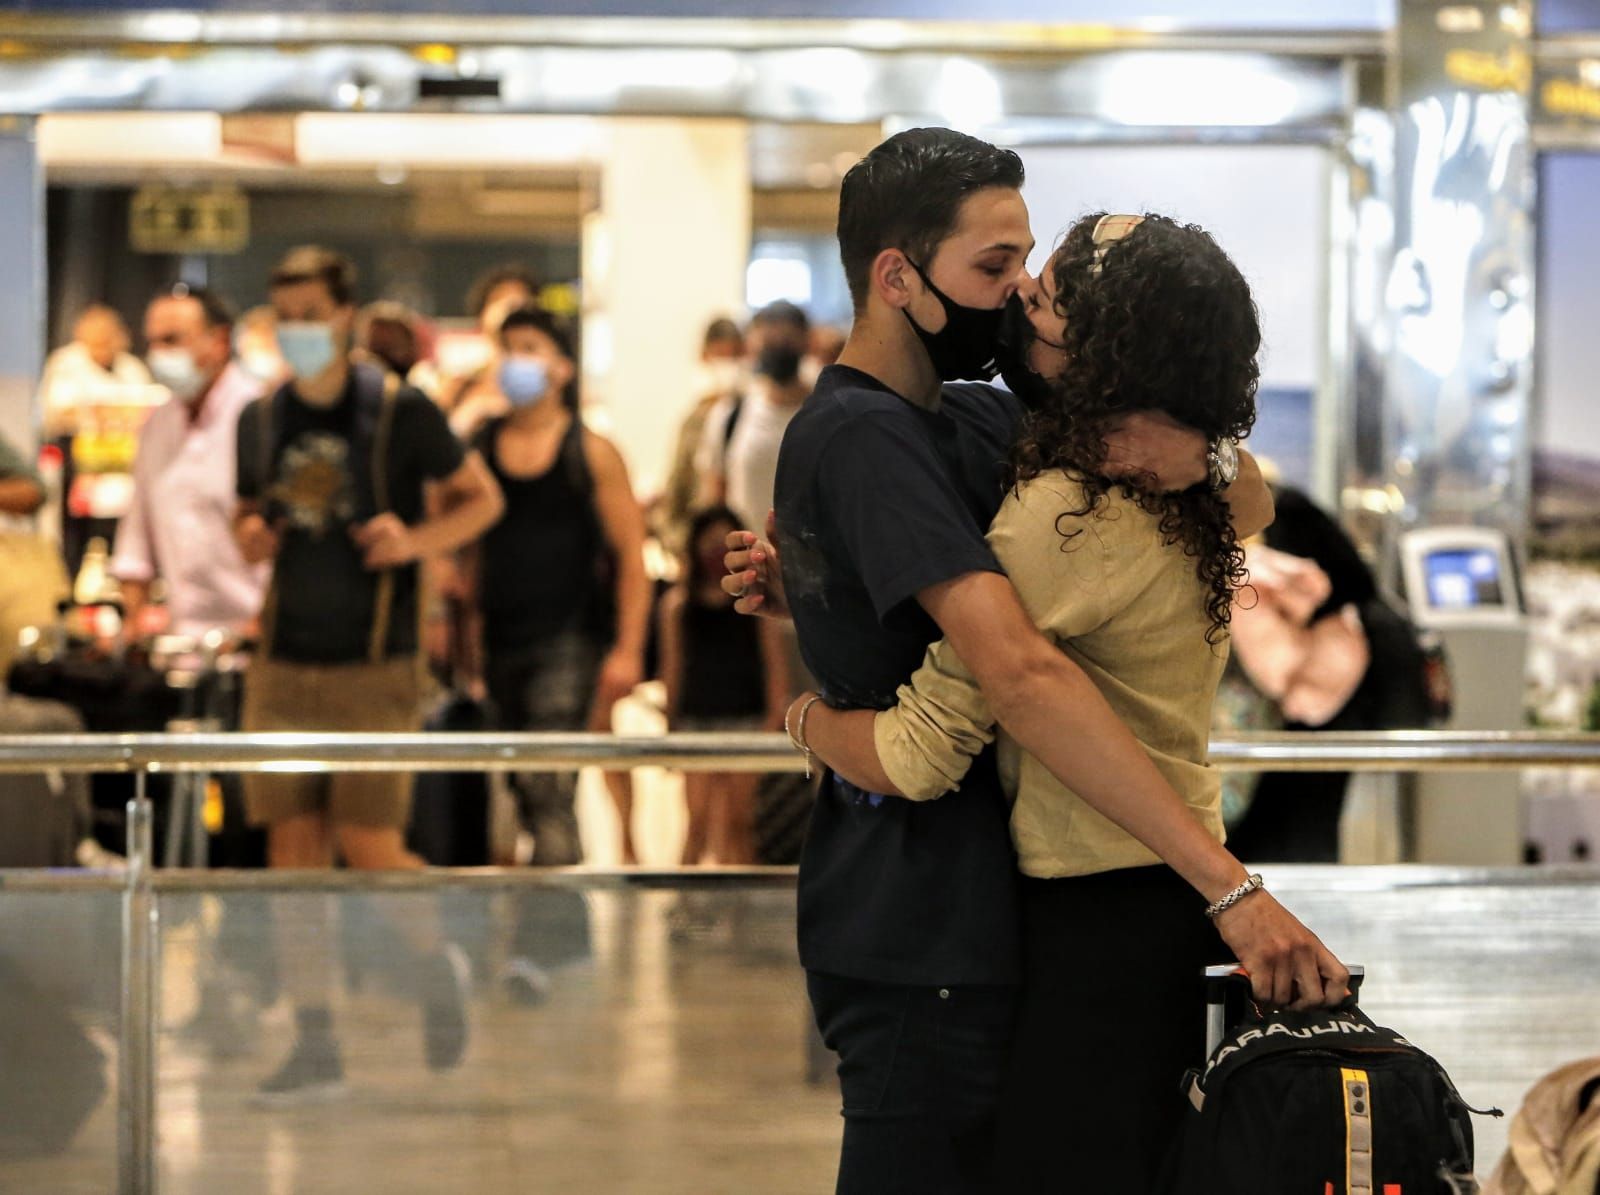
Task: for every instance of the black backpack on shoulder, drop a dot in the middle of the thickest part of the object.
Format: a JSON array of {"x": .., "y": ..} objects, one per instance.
[{"x": 1322, "y": 1103}]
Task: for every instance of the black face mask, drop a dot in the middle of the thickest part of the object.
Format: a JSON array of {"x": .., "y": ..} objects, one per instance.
[
  {"x": 780, "y": 362},
  {"x": 1017, "y": 335},
  {"x": 964, "y": 349}
]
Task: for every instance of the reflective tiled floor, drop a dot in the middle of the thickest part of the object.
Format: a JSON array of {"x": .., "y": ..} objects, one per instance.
[{"x": 671, "y": 1053}]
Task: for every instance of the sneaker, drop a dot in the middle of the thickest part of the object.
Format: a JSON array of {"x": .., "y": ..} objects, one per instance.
[
  {"x": 313, "y": 1071},
  {"x": 443, "y": 991},
  {"x": 525, "y": 982}
]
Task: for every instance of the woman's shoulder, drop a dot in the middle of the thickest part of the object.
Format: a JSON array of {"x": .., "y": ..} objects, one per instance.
[{"x": 1066, "y": 500}]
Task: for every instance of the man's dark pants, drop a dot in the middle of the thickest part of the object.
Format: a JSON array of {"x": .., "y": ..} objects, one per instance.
[{"x": 919, "y": 1071}]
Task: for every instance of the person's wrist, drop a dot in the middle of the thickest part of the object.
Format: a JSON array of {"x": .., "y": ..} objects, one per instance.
[
  {"x": 1221, "y": 463},
  {"x": 1234, "y": 897},
  {"x": 1222, "y": 876}
]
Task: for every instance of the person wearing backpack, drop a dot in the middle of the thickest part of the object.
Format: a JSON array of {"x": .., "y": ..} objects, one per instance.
[
  {"x": 561, "y": 596},
  {"x": 336, "y": 471},
  {"x": 738, "y": 459}
]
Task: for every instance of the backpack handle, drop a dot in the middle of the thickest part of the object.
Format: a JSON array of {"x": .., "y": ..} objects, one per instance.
[{"x": 1228, "y": 988}]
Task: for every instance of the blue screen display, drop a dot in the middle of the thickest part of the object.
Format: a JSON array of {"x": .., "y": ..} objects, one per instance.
[{"x": 1464, "y": 580}]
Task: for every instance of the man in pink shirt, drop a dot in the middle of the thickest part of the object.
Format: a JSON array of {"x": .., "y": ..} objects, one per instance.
[{"x": 180, "y": 525}]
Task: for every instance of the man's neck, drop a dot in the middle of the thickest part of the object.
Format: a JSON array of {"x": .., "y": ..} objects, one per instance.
[
  {"x": 885, "y": 348},
  {"x": 783, "y": 396},
  {"x": 324, "y": 391},
  {"x": 197, "y": 408}
]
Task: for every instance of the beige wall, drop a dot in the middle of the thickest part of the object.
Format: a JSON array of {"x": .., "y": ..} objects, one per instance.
[{"x": 664, "y": 253}]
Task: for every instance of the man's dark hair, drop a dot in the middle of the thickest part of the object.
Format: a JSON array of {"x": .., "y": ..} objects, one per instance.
[
  {"x": 216, "y": 311},
  {"x": 491, "y": 280},
  {"x": 313, "y": 263},
  {"x": 907, "y": 194},
  {"x": 782, "y": 314}
]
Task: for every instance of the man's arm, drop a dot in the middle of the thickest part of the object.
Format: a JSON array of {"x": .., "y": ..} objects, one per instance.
[
  {"x": 468, "y": 501},
  {"x": 1160, "y": 454},
  {"x": 623, "y": 524},
  {"x": 1249, "y": 499},
  {"x": 257, "y": 541}
]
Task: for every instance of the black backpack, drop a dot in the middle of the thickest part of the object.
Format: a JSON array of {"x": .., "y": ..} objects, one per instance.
[{"x": 1322, "y": 1103}]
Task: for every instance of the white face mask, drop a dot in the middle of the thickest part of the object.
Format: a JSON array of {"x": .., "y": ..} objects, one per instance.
[
  {"x": 721, "y": 375},
  {"x": 176, "y": 370}
]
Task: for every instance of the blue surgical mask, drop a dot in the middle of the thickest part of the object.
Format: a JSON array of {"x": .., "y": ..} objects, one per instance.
[
  {"x": 523, "y": 380},
  {"x": 307, "y": 347}
]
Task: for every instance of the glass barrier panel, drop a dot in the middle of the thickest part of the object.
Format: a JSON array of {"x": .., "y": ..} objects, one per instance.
[
  {"x": 619, "y": 1041},
  {"x": 60, "y": 961}
]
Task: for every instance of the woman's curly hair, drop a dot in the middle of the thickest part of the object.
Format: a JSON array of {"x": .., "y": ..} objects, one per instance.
[{"x": 1166, "y": 324}]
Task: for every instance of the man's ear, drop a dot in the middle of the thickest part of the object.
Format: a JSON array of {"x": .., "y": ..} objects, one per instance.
[{"x": 890, "y": 277}]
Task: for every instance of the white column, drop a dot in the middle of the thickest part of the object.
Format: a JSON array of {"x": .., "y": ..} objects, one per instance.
[
  {"x": 664, "y": 253},
  {"x": 22, "y": 300}
]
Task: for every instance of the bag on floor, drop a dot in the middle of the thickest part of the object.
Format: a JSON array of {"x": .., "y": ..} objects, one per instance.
[
  {"x": 55, "y": 1075},
  {"x": 1321, "y": 1102},
  {"x": 1554, "y": 1146},
  {"x": 450, "y": 810}
]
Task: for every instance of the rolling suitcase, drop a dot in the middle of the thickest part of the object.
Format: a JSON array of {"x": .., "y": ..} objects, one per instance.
[
  {"x": 450, "y": 810},
  {"x": 1324, "y": 1102}
]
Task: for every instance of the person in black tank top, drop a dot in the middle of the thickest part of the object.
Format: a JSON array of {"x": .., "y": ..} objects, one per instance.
[
  {"x": 723, "y": 671},
  {"x": 561, "y": 597}
]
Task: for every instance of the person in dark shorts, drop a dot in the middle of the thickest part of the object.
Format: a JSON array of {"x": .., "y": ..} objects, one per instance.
[
  {"x": 336, "y": 470},
  {"x": 722, "y": 671}
]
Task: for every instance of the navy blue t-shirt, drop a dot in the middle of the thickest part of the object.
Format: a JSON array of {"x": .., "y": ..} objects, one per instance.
[{"x": 877, "y": 499}]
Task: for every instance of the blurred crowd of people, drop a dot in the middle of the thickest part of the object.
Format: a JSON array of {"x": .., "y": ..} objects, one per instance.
[
  {"x": 386, "y": 512},
  {"x": 408, "y": 523}
]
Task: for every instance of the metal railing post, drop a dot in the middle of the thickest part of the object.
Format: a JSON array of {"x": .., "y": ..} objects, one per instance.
[{"x": 136, "y": 1089}]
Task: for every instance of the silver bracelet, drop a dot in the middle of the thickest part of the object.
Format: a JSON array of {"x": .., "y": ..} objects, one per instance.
[
  {"x": 798, "y": 735},
  {"x": 1227, "y": 902}
]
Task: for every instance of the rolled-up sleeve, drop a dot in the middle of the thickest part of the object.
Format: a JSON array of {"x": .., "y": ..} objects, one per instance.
[{"x": 942, "y": 720}]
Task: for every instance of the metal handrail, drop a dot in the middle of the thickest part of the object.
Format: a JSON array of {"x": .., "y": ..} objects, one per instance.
[
  {"x": 1389, "y": 751},
  {"x": 144, "y": 755}
]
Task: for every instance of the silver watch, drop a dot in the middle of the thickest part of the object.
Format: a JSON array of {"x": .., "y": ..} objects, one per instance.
[{"x": 1222, "y": 463}]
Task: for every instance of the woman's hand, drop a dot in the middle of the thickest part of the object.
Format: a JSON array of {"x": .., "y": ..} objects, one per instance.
[
  {"x": 1288, "y": 964},
  {"x": 755, "y": 576}
]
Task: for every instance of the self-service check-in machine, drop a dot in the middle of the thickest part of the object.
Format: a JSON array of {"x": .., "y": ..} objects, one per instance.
[{"x": 1463, "y": 585}]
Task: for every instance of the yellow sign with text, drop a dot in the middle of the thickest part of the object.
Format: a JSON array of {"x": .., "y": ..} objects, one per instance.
[
  {"x": 1482, "y": 70},
  {"x": 186, "y": 220}
]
